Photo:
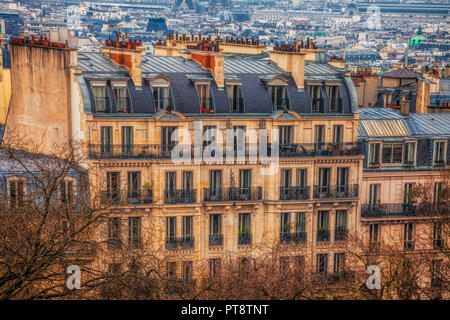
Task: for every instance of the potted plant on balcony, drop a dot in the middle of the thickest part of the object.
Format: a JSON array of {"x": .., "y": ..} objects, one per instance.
[{"x": 147, "y": 187}]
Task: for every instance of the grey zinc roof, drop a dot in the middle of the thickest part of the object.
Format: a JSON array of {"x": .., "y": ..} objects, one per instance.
[
  {"x": 401, "y": 73},
  {"x": 430, "y": 124},
  {"x": 98, "y": 63},
  {"x": 379, "y": 114},
  {"x": 163, "y": 65},
  {"x": 249, "y": 66}
]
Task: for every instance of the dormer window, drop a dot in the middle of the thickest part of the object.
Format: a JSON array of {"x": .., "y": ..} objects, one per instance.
[
  {"x": 161, "y": 98},
  {"x": 279, "y": 97},
  {"x": 100, "y": 97},
  {"x": 16, "y": 192},
  {"x": 335, "y": 101},
  {"x": 204, "y": 97},
  {"x": 123, "y": 103},
  {"x": 235, "y": 98},
  {"x": 439, "y": 152},
  {"x": 315, "y": 95}
]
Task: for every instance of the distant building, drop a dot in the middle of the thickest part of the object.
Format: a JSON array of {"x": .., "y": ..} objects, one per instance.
[{"x": 156, "y": 25}]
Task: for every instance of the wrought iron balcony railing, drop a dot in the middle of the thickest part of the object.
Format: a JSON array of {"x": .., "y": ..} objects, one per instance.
[
  {"x": 233, "y": 194},
  {"x": 388, "y": 209},
  {"x": 245, "y": 238},
  {"x": 117, "y": 197},
  {"x": 323, "y": 235},
  {"x": 215, "y": 239},
  {"x": 336, "y": 191},
  {"x": 174, "y": 243},
  {"x": 322, "y": 149},
  {"x": 340, "y": 235},
  {"x": 296, "y": 237},
  {"x": 82, "y": 250},
  {"x": 294, "y": 193},
  {"x": 180, "y": 196}
]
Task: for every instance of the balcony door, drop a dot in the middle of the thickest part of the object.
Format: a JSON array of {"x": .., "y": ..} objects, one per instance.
[
  {"x": 324, "y": 182},
  {"x": 215, "y": 184},
  {"x": 134, "y": 184},
  {"x": 127, "y": 140},
  {"x": 374, "y": 195},
  {"x": 106, "y": 139},
  {"x": 188, "y": 185},
  {"x": 285, "y": 183},
  {"x": 319, "y": 136},
  {"x": 245, "y": 182},
  {"x": 171, "y": 184},
  {"x": 113, "y": 185},
  {"x": 342, "y": 181},
  {"x": 167, "y": 141}
]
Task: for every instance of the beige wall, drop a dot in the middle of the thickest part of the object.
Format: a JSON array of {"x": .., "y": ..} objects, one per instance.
[
  {"x": 5, "y": 93},
  {"x": 40, "y": 104}
]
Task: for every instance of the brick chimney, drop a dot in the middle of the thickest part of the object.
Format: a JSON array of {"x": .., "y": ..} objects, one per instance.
[
  {"x": 290, "y": 59},
  {"x": 207, "y": 54},
  {"x": 127, "y": 53}
]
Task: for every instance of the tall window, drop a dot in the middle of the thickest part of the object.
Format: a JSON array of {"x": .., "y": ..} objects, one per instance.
[
  {"x": 244, "y": 228},
  {"x": 319, "y": 135},
  {"x": 245, "y": 183},
  {"x": 300, "y": 226},
  {"x": 324, "y": 182},
  {"x": 113, "y": 185},
  {"x": 374, "y": 153},
  {"x": 106, "y": 139},
  {"x": 374, "y": 232},
  {"x": 339, "y": 264},
  {"x": 114, "y": 233},
  {"x": 439, "y": 152},
  {"x": 171, "y": 227},
  {"x": 302, "y": 178},
  {"x": 342, "y": 180},
  {"x": 187, "y": 227},
  {"x": 279, "y": 97},
  {"x": 203, "y": 97},
  {"x": 323, "y": 233},
  {"x": 135, "y": 232},
  {"x": 171, "y": 268},
  {"x": 215, "y": 230},
  {"x": 16, "y": 193},
  {"x": 161, "y": 97},
  {"x": 188, "y": 184},
  {"x": 134, "y": 185},
  {"x": 374, "y": 194},
  {"x": 167, "y": 141},
  {"x": 235, "y": 98},
  {"x": 341, "y": 225},
  {"x": 215, "y": 264},
  {"x": 410, "y": 152},
  {"x": 436, "y": 276},
  {"x": 187, "y": 270},
  {"x": 322, "y": 263},
  {"x": 333, "y": 94},
  {"x": 438, "y": 191},
  {"x": 286, "y": 135},
  {"x": 67, "y": 189},
  {"x": 215, "y": 184},
  {"x": 127, "y": 140},
  {"x": 338, "y": 133},
  {"x": 316, "y": 101},
  {"x": 407, "y": 193},
  {"x": 392, "y": 153},
  {"x": 285, "y": 223},
  {"x": 437, "y": 235},
  {"x": 239, "y": 145},
  {"x": 100, "y": 98},
  {"x": 120, "y": 93},
  {"x": 408, "y": 235}
]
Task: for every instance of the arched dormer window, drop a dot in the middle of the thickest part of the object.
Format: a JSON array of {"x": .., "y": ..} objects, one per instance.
[
  {"x": 162, "y": 97},
  {"x": 278, "y": 93}
]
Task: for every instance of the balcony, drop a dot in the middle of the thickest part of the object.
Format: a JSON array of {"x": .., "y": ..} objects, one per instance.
[
  {"x": 336, "y": 191},
  {"x": 140, "y": 197},
  {"x": 129, "y": 151},
  {"x": 296, "y": 237},
  {"x": 294, "y": 193},
  {"x": 116, "y": 197},
  {"x": 323, "y": 149},
  {"x": 215, "y": 239},
  {"x": 180, "y": 196},
  {"x": 184, "y": 243},
  {"x": 233, "y": 194},
  {"x": 388, "y": 210},
  {"x": 206, "y": 105},
  {"x": 340, "y": 235},
  {"x": 245, "y": 239},
  {"x": 80, "y": 250},
  {"x": 323, "y": 235}
]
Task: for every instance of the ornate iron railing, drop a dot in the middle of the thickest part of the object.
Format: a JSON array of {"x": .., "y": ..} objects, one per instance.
[
  {"x": 294, "y": 193},
  {"x": 180, "y": 196},
  {"x": 233, "y": 194}
]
